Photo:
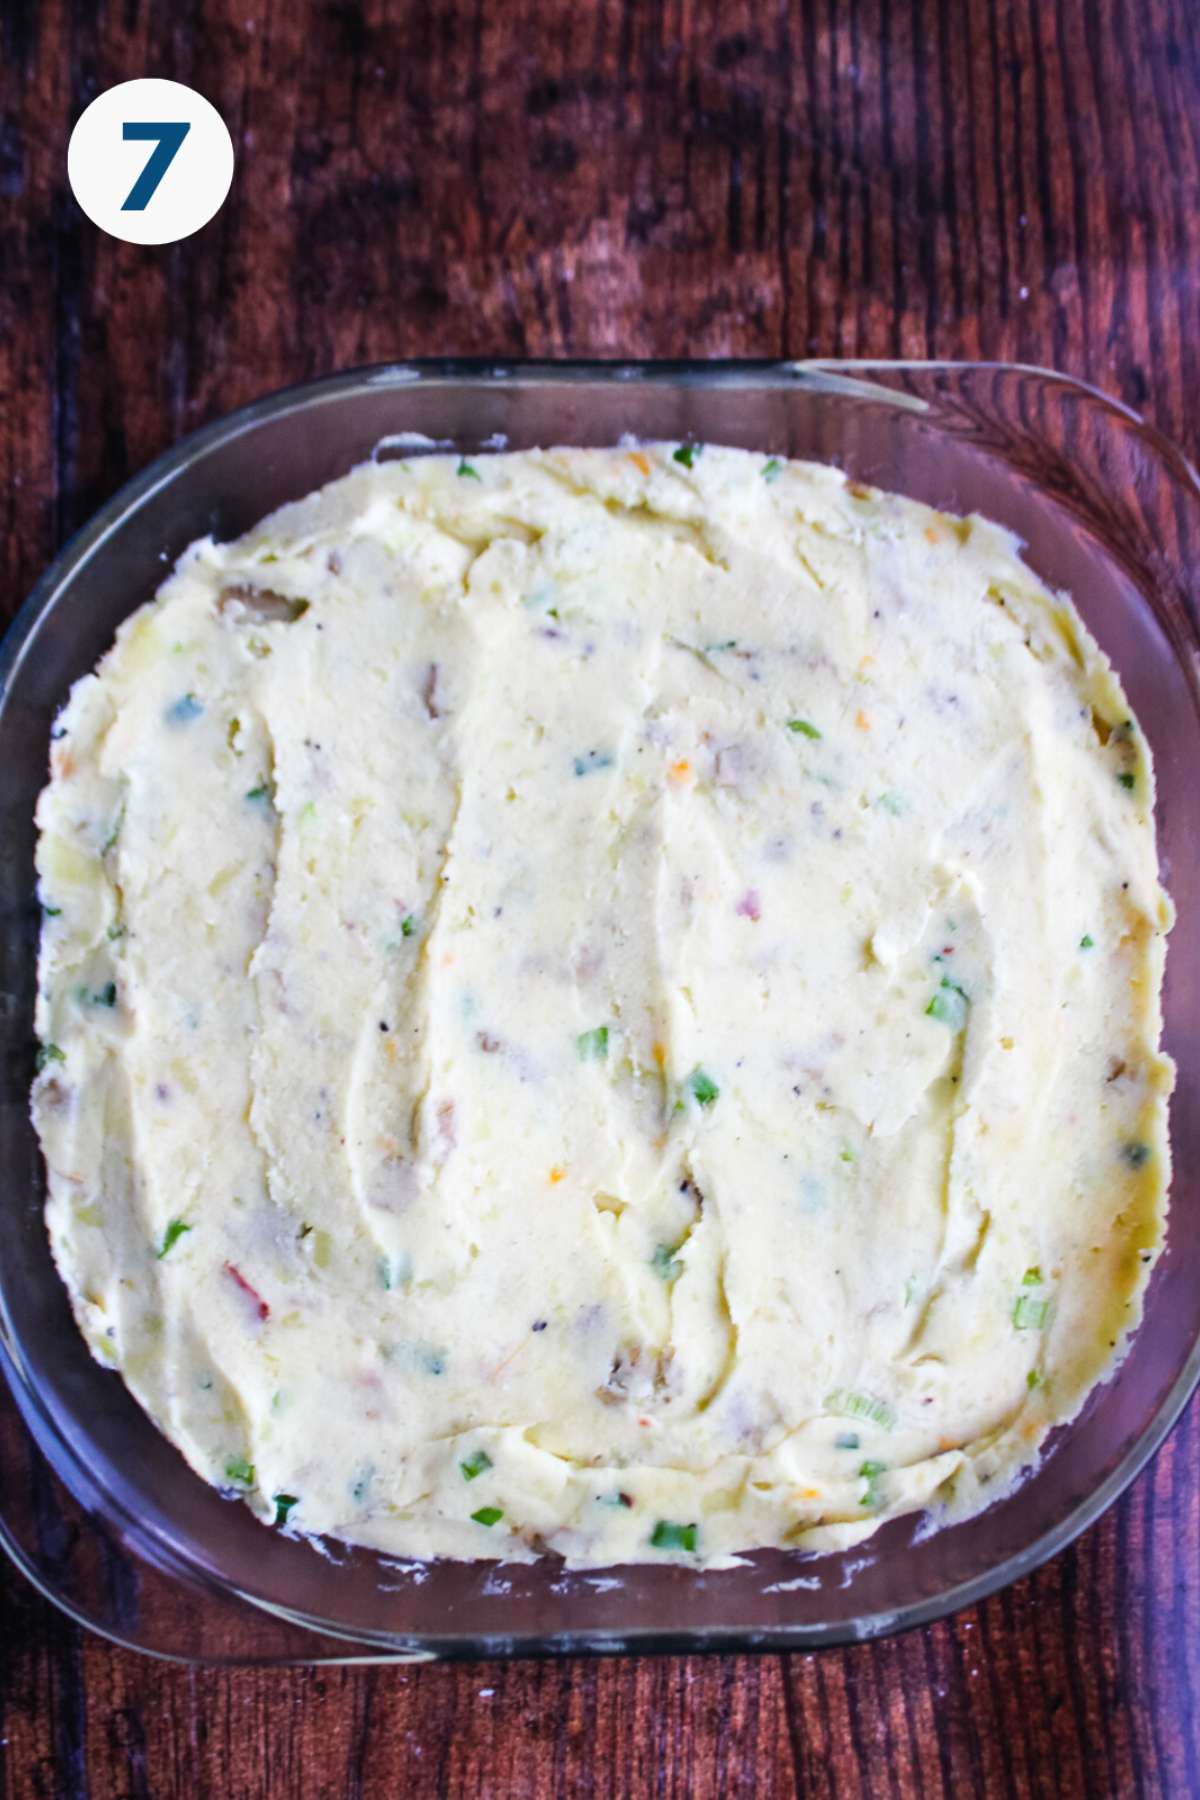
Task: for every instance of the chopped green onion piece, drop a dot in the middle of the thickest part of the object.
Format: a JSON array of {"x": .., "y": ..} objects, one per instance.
[
  {"x": 1032, "y": 1277},
  {"x": 241, "y": 1471},
  {"x": 408, "y": 925},
  {"x": 105, "y": 996},
  {"x": 117, "y": 931},
  {"x": 283, "y": 1506},
  {"x": 172, "y": 1235},
  {"x": 687, "y": 454},
  {"x": 870, "y": 1473},
  {"x": 593, "y": 1045},
  {"x": 667, "y": 1535},
  {"x": 261, "y": 792},
  {"x": 48, "y": 1053},
  {"x": 772, "y": 470},
  {"x": 804, "y": 726},
  {"x": 664, "y": 1262},
  {"x": 860, "y": 1406},
  {"x": 949, "y": 1004},
  {"x": 488, "y": 1515},
  {"x": 1029, "y": 1314},
  {"x": 465, "y": 469},
  {"x": 1087, "y": 941},
  {"x": 1033, "y": 1380},
  {"x": 51, "y": 912},
  {"x": 702, "y": 1088},
  {"x": 1126, "y": 778},
  {"x": 592, "y": 759},
  {"x": 184, "y": 710},
  {"x": 846, "y": 1440},
  {"x": 475, "y": 1465}
]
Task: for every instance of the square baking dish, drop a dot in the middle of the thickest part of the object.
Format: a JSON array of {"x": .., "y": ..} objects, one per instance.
[{"x": 95, "y": 1506}]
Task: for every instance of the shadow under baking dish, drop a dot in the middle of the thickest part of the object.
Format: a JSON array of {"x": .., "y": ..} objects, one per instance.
[{"x": 95, "y": 1505}]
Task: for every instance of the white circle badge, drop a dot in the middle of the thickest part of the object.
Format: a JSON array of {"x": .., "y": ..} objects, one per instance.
[{"x": 150, "y": 161}]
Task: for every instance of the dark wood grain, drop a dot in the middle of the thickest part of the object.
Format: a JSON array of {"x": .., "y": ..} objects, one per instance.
[{"x": 961, "y": 178}]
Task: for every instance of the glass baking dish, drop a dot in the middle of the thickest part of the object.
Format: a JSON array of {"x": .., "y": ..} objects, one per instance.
[{"x": 95, "y": 1506}]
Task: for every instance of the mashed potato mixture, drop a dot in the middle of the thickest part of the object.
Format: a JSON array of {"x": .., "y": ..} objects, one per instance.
[{"x": 603, "y": 1002}]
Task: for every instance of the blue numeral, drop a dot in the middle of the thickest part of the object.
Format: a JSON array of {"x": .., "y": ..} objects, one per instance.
[{"x": 166, "y": 140}]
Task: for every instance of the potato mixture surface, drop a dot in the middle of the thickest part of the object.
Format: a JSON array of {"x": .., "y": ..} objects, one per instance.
[{"x": 603, "y": 1002}]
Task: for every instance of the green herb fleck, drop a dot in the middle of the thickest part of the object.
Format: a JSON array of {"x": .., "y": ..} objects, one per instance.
[
  {"x": 702, "y": 1088},
  {"x": 475, "y": 1465},
  {"x": 48, "y": 1053},
  {"x": 853, "y": 1405},
  {"x": 488, "y": 1515},
  {"x": 113, "y": 833},
  {"x": 949, "y": 1004},
  {"x": 687, "y": 454},
  {"x": 172, "y": 1235},
  {"x": 283, "y": 1506},
  {"x": 1033, "y": 1380},
  {"x": 846, "y": 1440},
  {"x": 408, "y": 926},
  {"x": 184, "y": 710},
  {"x": 51, "y": 912},
  {"x": 593, "y": 1045},
  {"x": 261, "y": 792},
  {"x": 772, "y": 470},
  {"x": 466, "y": 470},
  {"x": 1087, "y": 941},
  {"x": 1127, "y": 778},
  {"x": 241, "y": 1471},
  {"x": 667, "y": 1535},
  {"x": 105, "y": 996},
  {"x": 1029, "y": 1314},
  {"x": 846, "y": 1155},
  {"x": 1135, "y": 1154},
  {"x": 805, "y": 727},
  {"x": 117, "y": 931}
]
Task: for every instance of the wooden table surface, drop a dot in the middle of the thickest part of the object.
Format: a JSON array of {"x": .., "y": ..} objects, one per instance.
[{"x": 951, "y": 178}]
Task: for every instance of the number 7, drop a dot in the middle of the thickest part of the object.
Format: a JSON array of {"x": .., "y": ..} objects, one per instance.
[{"x": 166, "y": 140}]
